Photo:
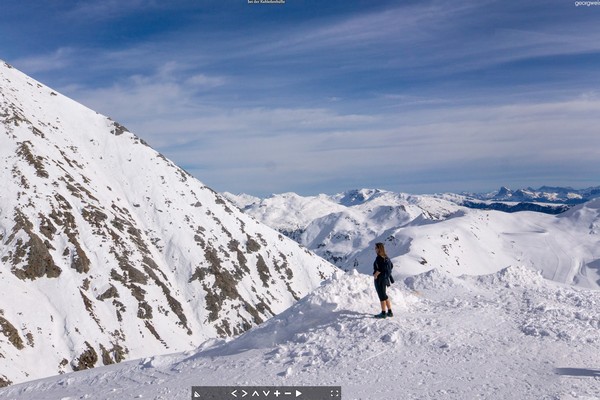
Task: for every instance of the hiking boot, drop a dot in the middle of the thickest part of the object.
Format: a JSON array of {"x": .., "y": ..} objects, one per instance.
[
  {"x": 381, "y": 315},
  {"x": 390, "y": 313}
]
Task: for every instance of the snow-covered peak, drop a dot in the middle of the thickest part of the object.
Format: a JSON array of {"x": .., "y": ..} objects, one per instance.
[
  {"x": 109, "y": 251},
  {"x": 288, "y": 212},
  {"x": 355, "y": 197},
  {"x": 241, "y": 200}
]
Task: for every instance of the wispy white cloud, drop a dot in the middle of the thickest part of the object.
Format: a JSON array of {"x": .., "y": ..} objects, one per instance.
[
  {"x": 262, "y": 150},
  {"x": 56, "y": 60},
  {"x": 394, "y": 93},
  {"x": 107, "y": 9},
  {"x": 167, "y": 91},
  {"x": 203, "y": 80},
  {"x": 434, "y": 36}
]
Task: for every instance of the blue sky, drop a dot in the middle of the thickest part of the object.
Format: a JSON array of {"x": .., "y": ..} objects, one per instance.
[{"x": 324, "y": 96}]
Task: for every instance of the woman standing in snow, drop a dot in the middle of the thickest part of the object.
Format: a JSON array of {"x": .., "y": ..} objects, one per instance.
[{"x": 382, "y": 268}]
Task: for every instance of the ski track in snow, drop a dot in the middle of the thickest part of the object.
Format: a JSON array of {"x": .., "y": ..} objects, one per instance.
[{"x": 508, "y": 335}]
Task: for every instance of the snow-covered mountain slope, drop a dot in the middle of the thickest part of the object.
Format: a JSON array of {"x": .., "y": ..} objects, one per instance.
[
  {"x": 565, "y": 248},
  {"x": 508, "y": 335},
  {"x": 110, "y": 252},
  {"x": 340, "y": 227},
  {"x": 425, "y": 232},
  {"x": 289, "y": 213}
]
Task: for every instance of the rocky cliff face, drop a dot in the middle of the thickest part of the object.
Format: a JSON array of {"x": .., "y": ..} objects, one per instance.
[{"x": 109, "y": 251}]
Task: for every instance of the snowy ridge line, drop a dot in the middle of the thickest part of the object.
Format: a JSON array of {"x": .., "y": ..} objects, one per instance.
[
  {"x": 511, "y": 334},
  {"x": 542, "y": 195}
]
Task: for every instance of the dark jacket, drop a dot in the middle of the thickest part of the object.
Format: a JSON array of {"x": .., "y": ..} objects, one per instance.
[{"x": 384, "y": 266}]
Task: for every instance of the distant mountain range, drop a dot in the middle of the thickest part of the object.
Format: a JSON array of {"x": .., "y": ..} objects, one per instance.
[
  {"x": 545, "y": 194},
  {"x": 548, "y": 199},
  {"x": 424, "y": 232}
]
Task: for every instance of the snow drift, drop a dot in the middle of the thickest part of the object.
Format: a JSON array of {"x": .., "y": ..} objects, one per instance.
[{"x": 507, "y": 335}]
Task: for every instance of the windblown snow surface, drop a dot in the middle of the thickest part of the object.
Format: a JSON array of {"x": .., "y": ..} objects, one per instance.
[{"x": 507, "y": 335}]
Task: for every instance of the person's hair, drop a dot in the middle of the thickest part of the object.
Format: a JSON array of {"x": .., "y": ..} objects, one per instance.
[{"x": 379, "y": 246}]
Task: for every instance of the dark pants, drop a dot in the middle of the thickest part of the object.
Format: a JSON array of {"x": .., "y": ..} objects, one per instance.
[{"x": 380, "y": 286}]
